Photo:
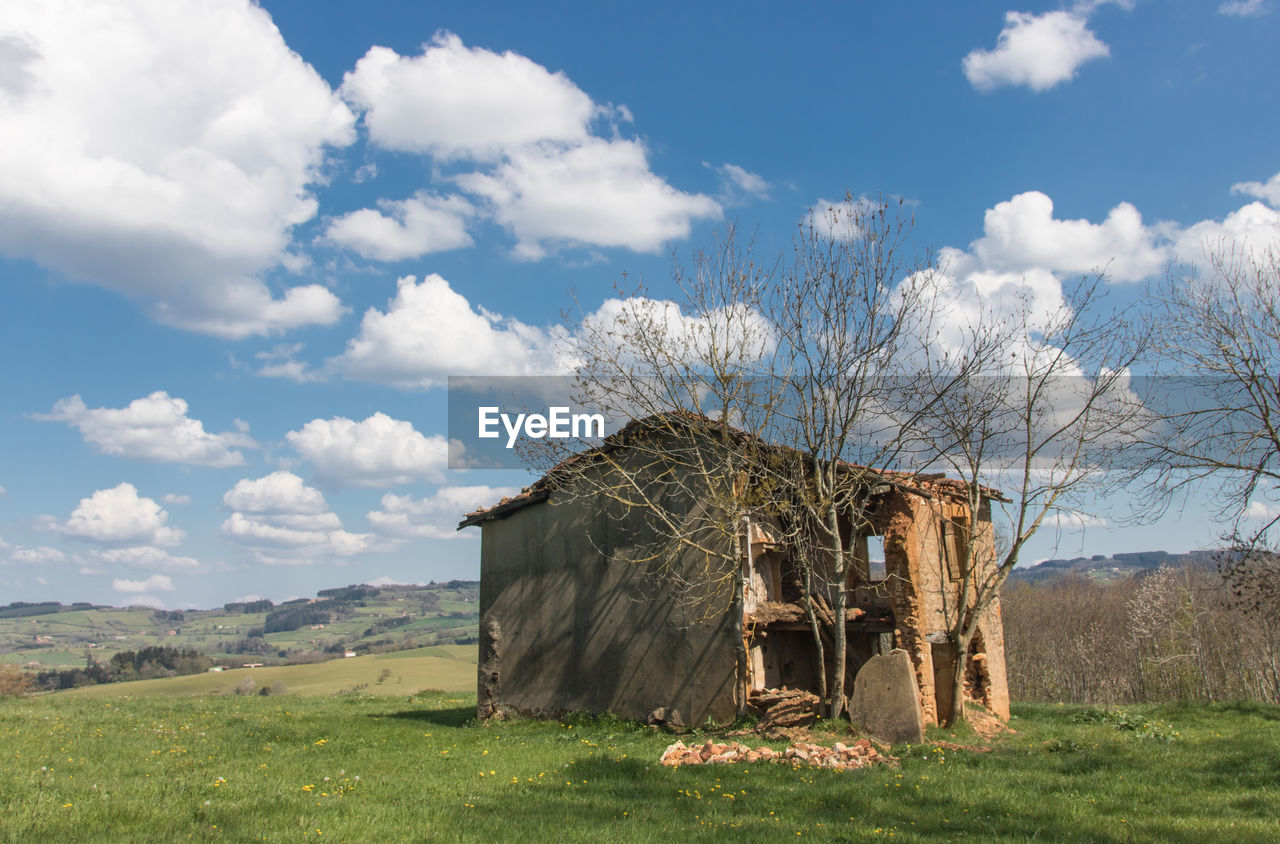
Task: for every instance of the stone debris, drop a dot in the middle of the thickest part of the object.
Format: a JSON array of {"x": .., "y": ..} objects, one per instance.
[{"x": 860, "y": 754}]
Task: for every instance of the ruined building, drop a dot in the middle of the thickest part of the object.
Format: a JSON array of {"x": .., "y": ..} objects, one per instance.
[{"x": 589, "y": 602}]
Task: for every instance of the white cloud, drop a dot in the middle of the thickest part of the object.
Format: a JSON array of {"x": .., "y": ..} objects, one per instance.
[
  {"x": 1039, "y": 51},
  {"x": 739, "y": 183},
  {"x": 1248, "y": 228},
  {"x": 154, "y": 428},
  {"x": 1268, "y": 191},
  {"x": 541, "y": 172},
  {"x": 430, "y": 332},
  {"x": 119, "y": 516},
  {"x": 597, "y": 193},
  {"x": 1021, "y": 233},
  {"x": 3, "y": 491},
  {"x": 175, "y": 498},
  {"x": 436, "y": 516},
  {"x": 379, "y": 451},
  {"x": 408, "y": 228},
  {"x": 837, "y": 220},
  {"x": 277, "y": 493},
  {"x": 1262, "y": 511},
  {"x": 459, "y": 102},
  {"x": 279, "y": 362},
  {"x": 163, "y": 149},
  {"x": 21, "y": 555},
  {"x": 140, "y": 557},
  {"x": 154, "y": 583},
  {"x": 1024, "y": 253},
  {"x": 283, "y": 521},
  {"x": 1244, "y": 8},
  {"x": 737, "y": 331}
]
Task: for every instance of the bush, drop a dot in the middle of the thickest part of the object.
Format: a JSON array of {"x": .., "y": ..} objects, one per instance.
[{"x": 14, "y": 682}]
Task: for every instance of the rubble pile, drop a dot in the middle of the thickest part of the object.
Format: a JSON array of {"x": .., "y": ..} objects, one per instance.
[{"x": 860, "y": 754}]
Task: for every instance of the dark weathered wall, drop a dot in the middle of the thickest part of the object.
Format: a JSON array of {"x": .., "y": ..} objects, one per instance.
[{"x": 582, "y": 627}]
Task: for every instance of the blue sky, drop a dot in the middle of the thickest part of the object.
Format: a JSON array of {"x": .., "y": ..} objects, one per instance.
[{"x": 242, "y": 247}]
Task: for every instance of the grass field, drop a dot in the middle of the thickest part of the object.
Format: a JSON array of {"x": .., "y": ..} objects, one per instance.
[
  {"x": 365, "y": 768},
  {"x": 398, "y": 673}
]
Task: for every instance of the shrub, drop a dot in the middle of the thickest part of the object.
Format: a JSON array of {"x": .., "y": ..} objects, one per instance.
[{"x": 14, "y": 682}]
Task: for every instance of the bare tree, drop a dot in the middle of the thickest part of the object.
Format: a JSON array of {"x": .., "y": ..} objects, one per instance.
[
  {"x": 846, "y": 312},
  {"x": 1041, "y": 411},
  {"x": 1216, "y": 406},
  {"x": 762, "y": 390},
  {"x": 694, "y": 376}
]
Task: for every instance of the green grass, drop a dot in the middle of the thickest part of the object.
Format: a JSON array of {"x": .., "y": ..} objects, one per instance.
[
  {"x": 446, "y": 668},
  {"x": 416, "y": 768}
]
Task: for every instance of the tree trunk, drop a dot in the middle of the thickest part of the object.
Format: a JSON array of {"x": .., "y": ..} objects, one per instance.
[
  {"x": 815, "y": 626},
  {"x": 738, "y": 610},
  {"x": 839, "y": 629},
  {"x": 962, "y": 641}
]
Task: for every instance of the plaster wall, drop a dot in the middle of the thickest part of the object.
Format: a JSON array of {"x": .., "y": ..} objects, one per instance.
[{"x": 584, "y": 626}]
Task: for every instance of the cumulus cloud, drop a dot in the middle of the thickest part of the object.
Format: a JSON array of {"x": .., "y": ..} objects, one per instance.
[
  {"x": 284, "y": 521},
  {"x": 437, "y": 515},
  {"x": 523, "y": 136},
  {"x": 1268, "y": 191},
  {"x": 278, "y": 493},
  {"x": 1249, "y": 228},
  {"x": 175, "y": 498},
  {"x": 1025, "y": 253},
  {"x": 1021, "y": 234},
  {"x": 429, "y": 332},
  {"x": 458, "y": 102},
  {"x": 379, "y": 451},
  {"x": 837, "y": 220},
  {"x": 737, "y": 331},
  {"x": 408, "y": 228},
  {"x": 155, "y": 583},
  {"x": 119, "y": 517},
  {"x": 597, "y": 193},
  {"x": 154, "y": 428},
  {"x": 22, "y": 555},
  {"x": 1039, "y": 51},
  {"x": 163, "y": 149}
]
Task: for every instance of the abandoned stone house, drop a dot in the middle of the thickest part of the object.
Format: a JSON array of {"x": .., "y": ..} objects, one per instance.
[{"x": 574, "y": 618}]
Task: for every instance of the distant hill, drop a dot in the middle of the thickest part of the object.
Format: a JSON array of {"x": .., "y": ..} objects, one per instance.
[
  {"x": 357, "y": 618},
  {"x": 1103, "y": 568}
]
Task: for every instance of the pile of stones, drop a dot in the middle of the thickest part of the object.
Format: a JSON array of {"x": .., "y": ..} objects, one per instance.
[{"x": 860, "y": 754}]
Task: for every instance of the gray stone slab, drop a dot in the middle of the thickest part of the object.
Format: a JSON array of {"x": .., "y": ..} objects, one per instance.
[{"x": 886, "y": 699}]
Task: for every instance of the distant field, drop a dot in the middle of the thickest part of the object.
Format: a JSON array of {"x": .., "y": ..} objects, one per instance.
[
  {"x": 436, "y": 614},
  {"x": 444, "y": 668},
  {"x": 415, "y": 768}
]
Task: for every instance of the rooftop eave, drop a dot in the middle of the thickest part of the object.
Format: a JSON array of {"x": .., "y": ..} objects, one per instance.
[{"x": 504, "y": 509}]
